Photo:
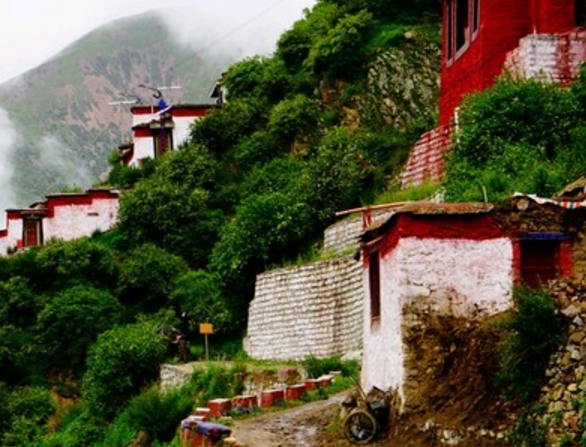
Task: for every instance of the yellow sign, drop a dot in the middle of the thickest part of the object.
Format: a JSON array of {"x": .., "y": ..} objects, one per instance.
[{"x": 206, "y": 328}]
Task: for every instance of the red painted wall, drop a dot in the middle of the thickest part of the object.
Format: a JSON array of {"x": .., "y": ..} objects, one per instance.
[
  {"x": 502, "y": 24},
  {"x": 554, "y": 16}
]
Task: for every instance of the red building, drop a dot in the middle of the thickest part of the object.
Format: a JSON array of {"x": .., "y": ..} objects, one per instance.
[{"x": 530, "y": 38}]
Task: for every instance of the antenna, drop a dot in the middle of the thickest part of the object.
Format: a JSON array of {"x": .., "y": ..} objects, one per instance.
[{"x": 134, "y": 99}]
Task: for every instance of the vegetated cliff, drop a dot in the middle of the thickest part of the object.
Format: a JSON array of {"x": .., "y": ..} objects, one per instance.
[
  {"x": 403, "y": 82},
  {"x": 61, "y": 109}
]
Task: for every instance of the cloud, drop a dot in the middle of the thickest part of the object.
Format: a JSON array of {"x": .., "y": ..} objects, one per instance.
[
  {"x": 240, "y": 32},
  {"x": 8, "y": 143},
  {"x": 59, "y": 159}
]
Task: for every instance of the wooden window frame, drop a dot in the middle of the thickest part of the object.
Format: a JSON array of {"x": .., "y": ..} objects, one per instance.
[
  {"x": 466, "y": 28},
  {"x": 374, "y": 284},
  {"x": 38, "y": 225}
]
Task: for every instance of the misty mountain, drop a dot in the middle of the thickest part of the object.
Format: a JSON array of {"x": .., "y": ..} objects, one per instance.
[{"x": 61, "y": 125}]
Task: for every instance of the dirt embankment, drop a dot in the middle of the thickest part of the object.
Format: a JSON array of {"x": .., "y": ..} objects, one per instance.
[
  {"x": 449, "y": 393},
  {"x": 449, "y": 397}
]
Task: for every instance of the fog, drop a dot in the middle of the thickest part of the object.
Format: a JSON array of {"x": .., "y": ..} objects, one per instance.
[{"x": 8, "y": 143}]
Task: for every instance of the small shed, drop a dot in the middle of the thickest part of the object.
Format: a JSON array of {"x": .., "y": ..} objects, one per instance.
[{"x": 459, "y": 260}]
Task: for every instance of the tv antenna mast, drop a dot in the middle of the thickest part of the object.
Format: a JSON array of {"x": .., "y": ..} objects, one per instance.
[{"x": 131, "y": 99}]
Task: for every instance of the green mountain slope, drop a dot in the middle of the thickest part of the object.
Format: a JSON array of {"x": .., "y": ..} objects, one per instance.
[{"x": 61, "y": 109}]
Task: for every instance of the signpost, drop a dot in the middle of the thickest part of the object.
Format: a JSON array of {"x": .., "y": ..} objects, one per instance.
[{"x": 206, "y": 329}]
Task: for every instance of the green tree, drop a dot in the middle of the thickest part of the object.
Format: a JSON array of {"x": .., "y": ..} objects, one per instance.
[
  {"x": 72, "y": 320},
  {"x": 19, "y": 302},
  {"x": 172, "y": 208},
  {"x": 66, "y": 263},
  {"x": 198, "y": 295},
  {"x": 223, "y": 128},
  {"x": 147, "y": 275},
  {"x": 339, "y": 54},
  {"x": 291, "y": 118},
  {"x": 122, "y": 362},
  {"x": 29, "y": 409}
]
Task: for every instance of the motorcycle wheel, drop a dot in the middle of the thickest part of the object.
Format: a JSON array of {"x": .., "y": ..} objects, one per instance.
[{"x": 360, "y": 427}]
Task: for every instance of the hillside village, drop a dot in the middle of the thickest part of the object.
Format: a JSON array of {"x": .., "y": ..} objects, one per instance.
[{"x": 410, "y": 289}]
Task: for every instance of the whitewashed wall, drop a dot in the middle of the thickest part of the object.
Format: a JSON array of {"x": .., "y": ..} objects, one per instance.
[
  {"x": 315, "y": 309},
  {"x": 464, "y": 278},
  {"x": 13, "y": 235},
  {"x": 75, "y": 221}
]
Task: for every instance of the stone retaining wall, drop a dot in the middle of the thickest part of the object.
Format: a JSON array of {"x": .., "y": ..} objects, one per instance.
[
  {"x": 343, "y": 236},
  {"x": 314, "y": 309}
]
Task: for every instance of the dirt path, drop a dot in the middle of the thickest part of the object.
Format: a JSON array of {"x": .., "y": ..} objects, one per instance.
[{"x": 295, "y": 427}]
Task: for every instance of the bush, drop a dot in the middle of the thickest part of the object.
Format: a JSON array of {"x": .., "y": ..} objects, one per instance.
[
  {"x": 72, "y": 320},
  {"x": 29, "y": 409},
  {"x": 317, "y": 367},
  {"x": 159, "y": 414},
  {"x": 507, "y": 137},
  {"x": 215, "y": 382},
  {"x": 147, "y": 276},
  {"x": 532, "y": 331},
  {"x": 122, "y": 362},
  {"x": 66, "y": 263}
]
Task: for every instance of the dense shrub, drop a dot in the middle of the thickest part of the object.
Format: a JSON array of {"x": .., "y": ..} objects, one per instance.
[
  {"x": 147, "y": 276},
  {"x": 29, "y": 409},
  {"x": 520, "y": 135},
  {"x": 338, "y": 54},
  {"x": 317, "y": 367},
  {"x": 72, "y": 320},
  {"x": 532, "y": 329},
  {"x": 65, "y": 263},
  {"x": 121, "y": 363},
  {"x": 157, "y": 413}
]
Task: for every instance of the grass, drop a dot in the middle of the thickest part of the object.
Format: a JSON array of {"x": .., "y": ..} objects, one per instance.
[{"x": 422, "y": 192}]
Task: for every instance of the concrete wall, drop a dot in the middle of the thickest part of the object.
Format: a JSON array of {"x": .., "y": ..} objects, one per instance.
[
  {"x": 453, "y": 277},
  {"x": 314, "y": 309}
]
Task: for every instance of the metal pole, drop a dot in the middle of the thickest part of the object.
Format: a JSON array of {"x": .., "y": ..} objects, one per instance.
[{"x": 207, "y": 348}]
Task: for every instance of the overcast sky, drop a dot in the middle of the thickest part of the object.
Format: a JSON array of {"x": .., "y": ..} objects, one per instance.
[{"x": 34, "y": 30}]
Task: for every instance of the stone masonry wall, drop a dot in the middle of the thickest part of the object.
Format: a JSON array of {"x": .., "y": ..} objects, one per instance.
[
  {"x": 343, "y": 236},
  {"x": 552, "y": 57},
  {"x": 426, "y": 157},
  {"x": 314, "y": 309},
  {"x": 566, "y": 372}
]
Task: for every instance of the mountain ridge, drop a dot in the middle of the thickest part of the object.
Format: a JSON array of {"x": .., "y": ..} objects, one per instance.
[{"x": 61, "y": 108}]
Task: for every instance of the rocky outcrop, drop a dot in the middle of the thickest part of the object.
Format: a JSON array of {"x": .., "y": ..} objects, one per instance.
[{"x": 563, "y": 396}]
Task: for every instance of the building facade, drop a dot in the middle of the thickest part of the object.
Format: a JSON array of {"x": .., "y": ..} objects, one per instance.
[
  {"x": 63, "y": 216},
  {"x": 480, "y": 39},
  {"x": 156, "y": 130}
]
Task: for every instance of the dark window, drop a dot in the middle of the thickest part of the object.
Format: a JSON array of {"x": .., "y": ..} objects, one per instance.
[
  {"x": 450, "y": 30},
  {"x": 32, "y": 232},
  {"x": 374, "y": 280},
  {"x": 580, "y": 12},
  {"x": 539, "y": 260},
  {"x": 462, "y": 31},
  {"x": 462, "y": 25},
  {"x": 476, "y": 15}
]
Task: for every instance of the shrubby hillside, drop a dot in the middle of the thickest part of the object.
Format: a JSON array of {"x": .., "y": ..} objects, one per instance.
[{"x": 322, "y": 125}]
